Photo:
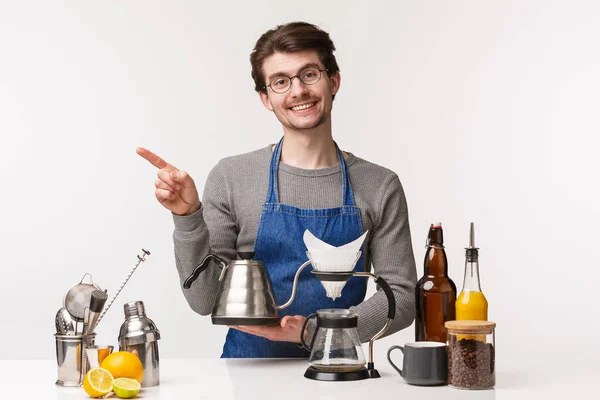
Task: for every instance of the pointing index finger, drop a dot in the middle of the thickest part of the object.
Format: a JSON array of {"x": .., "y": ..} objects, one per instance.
[{"x": 154, "y": 159}]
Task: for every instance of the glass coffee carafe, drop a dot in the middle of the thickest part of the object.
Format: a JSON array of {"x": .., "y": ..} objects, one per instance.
[{"x": 335, "y": 345}]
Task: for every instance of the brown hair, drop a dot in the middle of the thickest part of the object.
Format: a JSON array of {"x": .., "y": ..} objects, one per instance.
[{"x": 288, "y": 38}]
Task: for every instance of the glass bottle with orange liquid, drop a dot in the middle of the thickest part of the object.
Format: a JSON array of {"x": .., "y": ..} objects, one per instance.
[
  {"x": 471, "y": 303},
  {"x": 435, "y": 292}
]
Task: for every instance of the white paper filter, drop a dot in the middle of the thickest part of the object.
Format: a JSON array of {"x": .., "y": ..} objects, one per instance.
[{"x": 325, "y": 257}]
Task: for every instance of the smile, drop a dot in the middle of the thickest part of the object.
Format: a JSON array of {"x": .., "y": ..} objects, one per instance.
[{"x": 303, "y": 106}]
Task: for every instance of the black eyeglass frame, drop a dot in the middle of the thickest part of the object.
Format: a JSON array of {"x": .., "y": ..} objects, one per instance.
[{"x": 291, "y": 78}]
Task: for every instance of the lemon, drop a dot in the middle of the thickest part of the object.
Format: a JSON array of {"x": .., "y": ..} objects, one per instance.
[
  {"x": 98, "y": 382},
  {"x": 126, "y": 388}
]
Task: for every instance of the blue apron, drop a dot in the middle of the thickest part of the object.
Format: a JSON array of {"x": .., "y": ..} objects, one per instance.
[{"x": 280, "y": 246}]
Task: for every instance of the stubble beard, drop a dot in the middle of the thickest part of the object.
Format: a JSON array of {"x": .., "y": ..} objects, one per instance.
[{"x": 289, "y": 123}]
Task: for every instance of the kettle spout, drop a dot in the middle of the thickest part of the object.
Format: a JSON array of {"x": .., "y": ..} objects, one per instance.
[{"x": 294, "y": 287}]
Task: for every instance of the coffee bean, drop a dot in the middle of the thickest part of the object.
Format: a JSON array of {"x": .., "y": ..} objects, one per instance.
[{"x": 471, "y": 364}]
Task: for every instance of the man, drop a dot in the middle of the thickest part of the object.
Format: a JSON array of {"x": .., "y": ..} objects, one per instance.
[{"x": 308, "y": 183}]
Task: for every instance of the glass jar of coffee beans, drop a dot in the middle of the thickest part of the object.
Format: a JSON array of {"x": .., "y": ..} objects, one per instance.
[{"x": 471, "y": 354}]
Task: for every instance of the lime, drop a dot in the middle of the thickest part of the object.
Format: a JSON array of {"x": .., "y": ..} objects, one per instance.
[{"x": 126, "y": 388}]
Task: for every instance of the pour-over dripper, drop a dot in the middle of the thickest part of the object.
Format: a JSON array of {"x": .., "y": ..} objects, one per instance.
[
  {"x": 327, "y": 258},
  {"x": 333, "y": 288}
]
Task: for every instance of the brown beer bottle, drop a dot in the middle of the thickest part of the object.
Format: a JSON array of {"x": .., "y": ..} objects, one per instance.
[{"x": 435, "y": 292}]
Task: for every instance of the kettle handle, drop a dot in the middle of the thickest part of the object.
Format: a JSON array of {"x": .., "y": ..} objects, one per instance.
[
  {"x": 304, "y": 325},
  {"x": 201, "y": 267}
]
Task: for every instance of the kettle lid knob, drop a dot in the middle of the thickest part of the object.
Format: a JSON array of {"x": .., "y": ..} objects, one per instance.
[{"x": 246, "y": 255}]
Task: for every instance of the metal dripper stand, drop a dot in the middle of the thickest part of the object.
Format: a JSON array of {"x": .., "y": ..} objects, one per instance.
[{"x": 336, "y": 276}]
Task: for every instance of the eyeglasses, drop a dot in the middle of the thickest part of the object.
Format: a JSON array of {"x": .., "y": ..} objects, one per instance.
[{"x": 308, "y": 76}]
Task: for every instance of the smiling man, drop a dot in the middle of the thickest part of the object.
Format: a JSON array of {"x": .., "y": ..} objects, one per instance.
[
  {"x": 263, "y": 201},
  {"x": 304, "y": 107}
]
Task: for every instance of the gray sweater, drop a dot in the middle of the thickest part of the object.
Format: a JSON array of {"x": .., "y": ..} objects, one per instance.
[{"x": 228, "y": 219}]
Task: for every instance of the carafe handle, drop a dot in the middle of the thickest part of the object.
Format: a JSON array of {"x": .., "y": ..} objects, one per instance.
[
  {"x": 390, "y": 360},
  {"x": 390, "y": 296},
  {"x": 304, "y": 325},
  {"x": 201, "y": 267}
]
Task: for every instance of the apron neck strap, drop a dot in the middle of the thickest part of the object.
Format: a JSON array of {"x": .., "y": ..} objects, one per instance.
[{"x": 273, "y": 192}]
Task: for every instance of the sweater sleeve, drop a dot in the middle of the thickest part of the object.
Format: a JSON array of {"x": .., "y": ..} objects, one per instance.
[
  {"x": 392, "y": 257},
  {"x": 211, "y": 229}
]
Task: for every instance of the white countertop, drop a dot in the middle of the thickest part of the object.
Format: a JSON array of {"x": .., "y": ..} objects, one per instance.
[{"x": 283, "y": 379}]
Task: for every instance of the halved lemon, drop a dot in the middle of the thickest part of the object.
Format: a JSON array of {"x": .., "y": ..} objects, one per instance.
[
  {"x": 126, "y": 388},
  {"x": 98, "y": 382}
]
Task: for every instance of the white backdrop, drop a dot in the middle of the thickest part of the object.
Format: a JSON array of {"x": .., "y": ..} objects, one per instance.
[{"x": 487, "y": 110}]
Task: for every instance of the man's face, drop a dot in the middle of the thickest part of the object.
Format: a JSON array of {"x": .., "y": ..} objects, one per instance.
[{"x": 291, "y": 107}]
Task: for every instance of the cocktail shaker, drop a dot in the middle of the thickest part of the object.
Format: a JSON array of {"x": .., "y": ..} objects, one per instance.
[{"x": 139, "y": 335}]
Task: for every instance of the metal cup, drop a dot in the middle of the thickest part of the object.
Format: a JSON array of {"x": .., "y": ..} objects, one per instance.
[
  {"x": 88, "y": 341},
  {"x": 69, "y": 358},
  {"x": 96, "y": 354}
]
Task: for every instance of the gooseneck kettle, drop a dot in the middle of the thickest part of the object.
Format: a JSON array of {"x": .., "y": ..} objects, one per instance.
[{"x": 245, "y": 295}]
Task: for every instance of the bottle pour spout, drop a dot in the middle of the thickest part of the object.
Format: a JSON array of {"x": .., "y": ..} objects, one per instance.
[{"x": 472, "y": 252}]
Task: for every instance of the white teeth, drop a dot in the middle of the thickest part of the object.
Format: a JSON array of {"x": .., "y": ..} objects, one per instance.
[{"x": 303, "y": 106}]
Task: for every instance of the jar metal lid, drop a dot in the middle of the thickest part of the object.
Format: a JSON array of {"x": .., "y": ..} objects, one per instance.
[{"x": 470, "y": 326}]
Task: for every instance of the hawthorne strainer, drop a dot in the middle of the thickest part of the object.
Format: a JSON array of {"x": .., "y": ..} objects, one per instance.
[{"x": 78, "y": 297}]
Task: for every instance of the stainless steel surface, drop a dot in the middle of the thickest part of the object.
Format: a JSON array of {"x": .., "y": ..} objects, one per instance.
[
  {"x": 141, "y": 259},
  {"x": 148, "y": 354},
  {"x": 137, "y": 327},
  {"x": 134, "y": 309},
  {"x": 86, "y": 342},
  {"x": 69, "y": 358},
  {"x": 139, "y": 335},
  {"x": 96, "y": 354},
  {"x": 64, "y": 322},
  {"x": 77, "y": 298},
  {"x": 377, "y": 336},
  {"x": 366, "y": 274},
  {"x": 245, "y": 292}
]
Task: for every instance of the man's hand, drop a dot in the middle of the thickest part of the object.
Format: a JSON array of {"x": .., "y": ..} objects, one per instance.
[
  {"x": 288, "y": 331},
  {"x": 175, "y": 189}
]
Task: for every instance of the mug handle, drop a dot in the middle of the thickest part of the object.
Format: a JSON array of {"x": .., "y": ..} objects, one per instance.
[
  {"x": 390, "y": 360},
  {"x": 304, "y": 325}
]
